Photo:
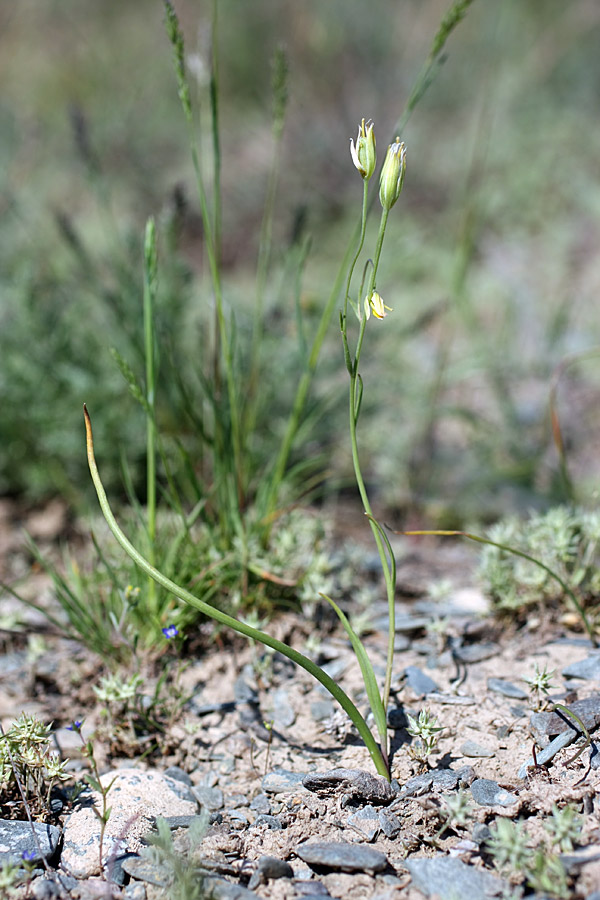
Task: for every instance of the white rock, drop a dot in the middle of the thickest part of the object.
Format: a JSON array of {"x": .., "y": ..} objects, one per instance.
[{"x": 135, "y": 798}]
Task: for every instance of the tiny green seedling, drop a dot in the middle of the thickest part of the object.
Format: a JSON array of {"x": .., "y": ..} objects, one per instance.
[
  {"x": 540, "y": 684},
  {"x": 427, "y": 731}
]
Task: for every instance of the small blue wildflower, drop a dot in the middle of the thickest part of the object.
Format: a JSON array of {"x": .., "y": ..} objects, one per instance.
[
  {"x": 170, "y": 631},
  {"x": 28, "y": 855},
  {"x": 75, "y": 726}
]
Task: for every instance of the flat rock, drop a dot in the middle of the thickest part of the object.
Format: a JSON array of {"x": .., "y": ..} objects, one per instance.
[
  {"x": 366, "y": 821},
  {"x": 136, "y": 798},
  {"x": 551, "y": 723},
  {"x": 419, "y": 682},
  {"x": 548, "y": 753},
  {"x": 342, "y": 857},
  {"x": 506, "y": 688},
  {"x": 489, "y": 793},
  {"x": 270, "y": 868},
  {"x": 354, "y": 783},
  {"x": 281, "y": 709},
  {"x": 280, "y": 780},
  {"x": 449, "y": 878},
  {"x": 16, "y": 838},
  {"x": 209, "y": 797},
  {"x": 472, "y": 653},
  {"x": 472, "y": 749},
  {"x": 587, "y": 669}
]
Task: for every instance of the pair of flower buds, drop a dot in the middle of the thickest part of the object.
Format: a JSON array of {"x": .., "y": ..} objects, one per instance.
[{"x": 364, "y": 158}]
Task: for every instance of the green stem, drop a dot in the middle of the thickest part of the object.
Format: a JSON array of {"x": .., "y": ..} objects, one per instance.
[
  {"x": 253, "y": 633},
  {"x": 388, "y": 567},
  {"x": 150, "y": 274}
]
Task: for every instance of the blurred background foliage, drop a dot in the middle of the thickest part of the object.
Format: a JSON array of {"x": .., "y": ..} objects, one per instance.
[{"x": 491, "y": 262}]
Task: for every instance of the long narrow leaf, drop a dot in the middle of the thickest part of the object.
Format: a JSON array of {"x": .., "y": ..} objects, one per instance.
[
  {"x": 303, "y": 661},
  {"x": 368, "y": 674}
]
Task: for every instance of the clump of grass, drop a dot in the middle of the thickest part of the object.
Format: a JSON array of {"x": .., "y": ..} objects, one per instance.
[
  {"x": 566, "y": 540},
  {"x": 539, "y": 867},
  {"x": 181, "y": 877},
  {"x": 29, "y": 769}
]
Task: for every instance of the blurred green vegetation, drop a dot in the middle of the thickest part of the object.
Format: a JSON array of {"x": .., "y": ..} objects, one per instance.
[{"x": 491, "y": 262}]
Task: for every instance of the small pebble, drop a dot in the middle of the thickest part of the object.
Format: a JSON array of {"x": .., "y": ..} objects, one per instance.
[
  {"x": 506, "y": 688},
  {"x": 209, "y": 797},
  {"x": 261, "y": 804},
  {"x": 544, "y": 756},
  {"x": 310, "y": 889},
  {"x": 419, "y": 683},
  {"x": 473, "y": 653},
  {"x": 489, "y": 793},
  {"x": 280, "y": 780},
  {"x": 472, "y": 749},
  {"x": 281, "y": 709},
  {"x": 179, "y": 775},
  {"x": 445, "y": 779},
  {"x": 270, "y": 868},
  {"x": 587, "y": 669},
  {"x": 16, "y": 838},
  {"x": 366, "y": 821},
  {"x": 342, "y": 857},
  {"x": 271, "y": 822},
  {"x": 448, "y": 878},
  {"x": 391, "y": 825}
]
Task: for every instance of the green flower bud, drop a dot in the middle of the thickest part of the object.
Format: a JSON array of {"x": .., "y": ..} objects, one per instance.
[
  {"x": 363, "y": 154},
  {"x": 392, "y": 174}
]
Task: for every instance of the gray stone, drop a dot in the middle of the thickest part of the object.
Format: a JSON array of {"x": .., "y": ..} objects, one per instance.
[
  {"x": 270, "y": 868},
  {"x": 506, "y": 688},
  {"x": 420, "y": 683},
  {"x": 179, "y": 775},
  {"x": 489, "y": 793},
  {"x": 272, "y": 822},
  {"x": 391, "y": 824},
  {"x": 310, "y": 889},
  {"x": 143, "y": 869},
  {"x": 587, "y": 669},
  {"x": 342, "y": 857},
  {"x": 481, "y": 833},
  {"x": 466, "y": 776},
  {"x": 418, "y": 784},
  {"x": 445, "y": 779},
  {"x": 209, "y": 797},
  {"x": 473, "y": 653},
  {"x": 450, "y": 878},
  {"x": 219, "y": 889},
  {"x": 181, "y": 821},
  {"x": 238, "y": 817},
  {"x": 16, "y": 839},
  {"x": 366, "y": 822},
  {"x": 321, "y": 710},
  {"x": 244, "y": 692},
  {"x": 353, "y": 783},
  {"x": 472, "y": 749},
  {"x": 281, "y": 710},
  {"x": 409, "y": 624},
  {"x": 550, "y": 723},
  {"x": 261, "y": 804},
  {"x": 280, "y": 780},
  {"x": 549, "y": 752}
]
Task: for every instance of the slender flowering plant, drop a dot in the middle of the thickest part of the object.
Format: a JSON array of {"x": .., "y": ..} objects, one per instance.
[{"x": 363, "y": 156}]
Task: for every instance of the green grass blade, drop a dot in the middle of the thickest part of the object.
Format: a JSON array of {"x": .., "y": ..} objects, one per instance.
[{"x": 368, "y": 674}]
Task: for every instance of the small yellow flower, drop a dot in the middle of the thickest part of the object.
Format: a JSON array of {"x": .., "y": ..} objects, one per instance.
[
  {"x": 392, "y": 174},
  {"x": 374, "y": 304},
  {"x": 363, "y": 154}
]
